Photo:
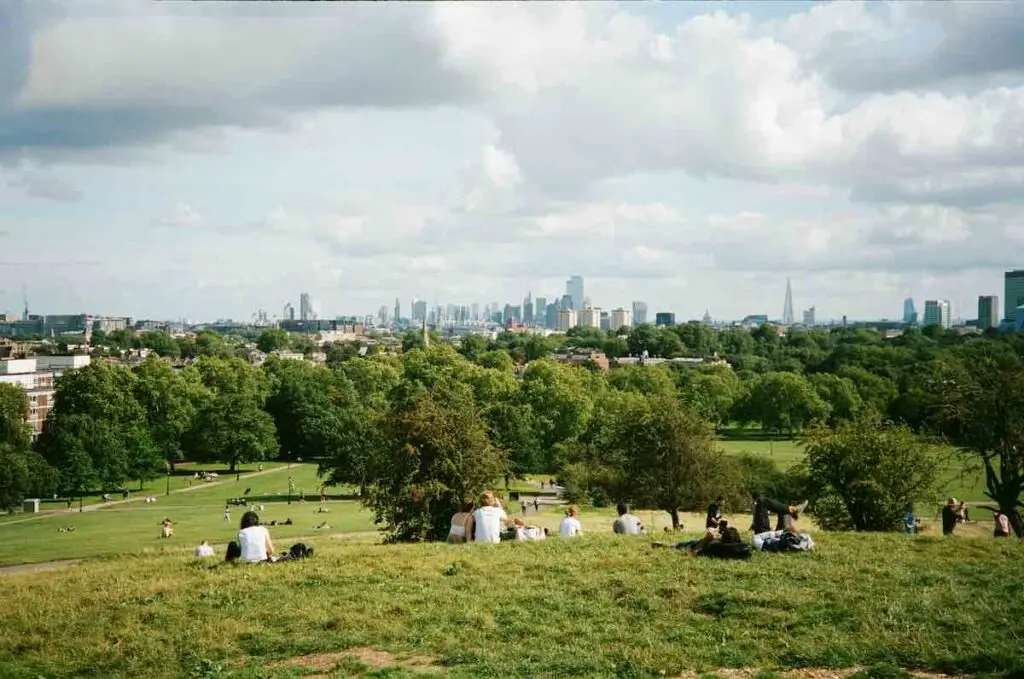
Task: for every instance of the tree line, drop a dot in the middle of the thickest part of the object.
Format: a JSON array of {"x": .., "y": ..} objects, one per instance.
[{"x": 424, "y": 432}]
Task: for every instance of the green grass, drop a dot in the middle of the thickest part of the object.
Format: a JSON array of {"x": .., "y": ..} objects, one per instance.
[
  {"x": 197, "y": 512},
  {"x": 598, "y": 606},
  {"x": 960, "y": 480}
]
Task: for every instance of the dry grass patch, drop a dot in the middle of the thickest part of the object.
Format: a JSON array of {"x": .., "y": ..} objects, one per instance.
[{"x": 370, "y": 657}]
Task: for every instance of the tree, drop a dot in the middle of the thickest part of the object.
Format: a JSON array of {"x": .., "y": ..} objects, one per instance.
[
  {"x": 231, "y": 428},
  {"x": 562, "y": 403},
  {"x": 875, "y": 468},
  {"x": 984, "y": 413},
  {"x": 272, "y": 339},
  {"x": 23, "y": 472},
  {"x": 210, "y": 343},
  {"x": 472, "y": 346},
  {"x": 712, "y": 393},
  {"x": 97, "y": 432},
  {"x": 783, "y": 402},
  {"x": 839, "y": 393},
  {"x": 643, "y": 379},
  {"x": 161, "y": 343},
  {"x": 668, "y": 457},
  {"x": 436, "y": 457},
  {"x": 305, "y": 345},
  {"x": 170, "y": 400},
  {"x": 336, "y": 353}
]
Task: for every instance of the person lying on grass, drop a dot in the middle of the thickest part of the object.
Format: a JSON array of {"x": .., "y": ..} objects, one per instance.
[{"x": 727, "y": 545}]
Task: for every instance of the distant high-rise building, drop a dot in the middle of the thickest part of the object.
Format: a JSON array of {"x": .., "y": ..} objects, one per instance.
[
  {"x": 936, "y": 312},
  {"x": 787, "y": 308},
  {"x": 988, "y": 311},
  {"x": 475, "y": 312},
  {"x": 809, "y": 317},
  {"x": 509, "y": 315},
  {"x": 706, "y": 320},
  {"x": 289, "y": 312},
  {"x": 419, "y": 310},
  {"x": 528, "y": 309},
  {"x": 566, "y": 320},
  {"x": 305, "y": 307},
  {"x": 398, "y": 310},
  {"x": 606, "y": 321},
  {"x": 1013, "y": 292},
  {"x": 551, "y": 316},
  {"x": 574, "y": 288},
  {"x": 664, "y": 318},
  {"x": 567, "y": 303},
  {"x": 382, "y": 315},
  {"x": 639, "y": 313},
  {"x": 620, "y": 318},
  {"x": 540, "y": 309},
  {"x": 909, "y": 311}
]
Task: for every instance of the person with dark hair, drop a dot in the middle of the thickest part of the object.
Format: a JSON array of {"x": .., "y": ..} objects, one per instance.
[
  {"x": 254, "y": 540},
  {"x": 714, "y": 514},
  {"x": 626, "y": 524},
  {"x": 762, "y": 521},
  {"x": 1002, "y": 529},
  {"x": 949, "y": 517}
]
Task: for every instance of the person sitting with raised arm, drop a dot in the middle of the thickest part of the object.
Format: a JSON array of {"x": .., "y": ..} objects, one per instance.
[{"x": 489, "y": 518}]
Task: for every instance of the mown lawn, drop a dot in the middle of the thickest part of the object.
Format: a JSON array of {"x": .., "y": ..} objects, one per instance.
[{"x": 598, "y": 606}]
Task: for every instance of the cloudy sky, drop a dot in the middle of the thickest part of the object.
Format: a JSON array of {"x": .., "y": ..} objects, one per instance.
[{"x": 207, "y": 160}]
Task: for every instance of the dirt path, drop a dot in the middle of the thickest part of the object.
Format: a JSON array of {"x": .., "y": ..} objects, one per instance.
[
  {"x": 38, "y": 567},
  {"x": 139, "y": 498}
]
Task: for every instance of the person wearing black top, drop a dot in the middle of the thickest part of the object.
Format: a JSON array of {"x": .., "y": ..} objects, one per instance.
[
  {"x": 714, "y": 514},
  {"x": 762, "y": 520},
  {"x": 949, "y": 517}
]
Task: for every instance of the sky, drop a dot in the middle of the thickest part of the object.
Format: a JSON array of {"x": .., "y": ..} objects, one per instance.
[{"x": 206, "y": 160}]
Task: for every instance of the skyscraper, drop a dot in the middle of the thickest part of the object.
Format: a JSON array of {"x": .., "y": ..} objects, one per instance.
[
  {"x": 620, "y": 318},
  {"x": 419, "y": 310},
  {"x": 1013, "y": 292},
  {"x": 639, "y": 313},
  {"x": 574, "y": 288},
  {"x": 398, "y": 310},
  {"x": 305, "y": 307},
  {"x": 936, "y": 312},
  {"x": 540, "y": 310},
  {"x": 528, "y": 309},
  {"x": 567, "y": 302},
  {"x": 289, "y": 312},
  {"x": 809, "y": 317},
  {"x": 988, "y": 311},
  {"x": 787, "y": 309},
  {"x": 909, "y": 312}
]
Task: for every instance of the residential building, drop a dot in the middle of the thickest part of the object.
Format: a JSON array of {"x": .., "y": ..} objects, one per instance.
[
  {"x": 620, "y": 318},
  {"x": 1013, "y": 292},
  {"x": 590, "y": 317},
  {"x": 664, "y": 318},
  {"x": 936, "y": 312},
  {"x": 606, "y": 321},
  {"x": 574, "y": 289},
  {"x": 37, "y": 376},
  {"x": 809, "y": 317},
  {"x": 988, "y": 311},
  {"x": 582, "y": 356},
  {"x": 566, "y": 320},
  {"x": 639, "y": 313}
]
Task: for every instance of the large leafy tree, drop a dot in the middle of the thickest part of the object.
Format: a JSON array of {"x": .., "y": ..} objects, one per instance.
[
  {"x": 562, "y": 400},
  {"x": 272, "y": 339},
  {"x": 23, "y": 472},
  {"x": 170, "y": 399},
  {"x": 435, "y": 456},
  {"x": 874, "y": 468},
  {"x": 97, "y": 431},
  {"x": 231, "y": 425},
  {"x": 984, "y": 412},
  {"x": 782, "y": 402}
]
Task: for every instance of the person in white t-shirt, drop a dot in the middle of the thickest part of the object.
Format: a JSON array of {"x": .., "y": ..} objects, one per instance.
[
  {"x": 489, "y": 519},
  {"x": 204, "y": 550},
  {"x": 254, "y": 539},
  {"x": 571, "y": 526}
]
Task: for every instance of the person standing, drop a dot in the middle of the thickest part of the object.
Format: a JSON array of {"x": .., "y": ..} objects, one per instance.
[
  {"x": 949, "y": 517},
  {"x": 627, "y": 524}
]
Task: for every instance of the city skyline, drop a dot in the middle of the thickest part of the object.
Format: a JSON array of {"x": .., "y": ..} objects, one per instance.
[{"x": 492, "y": 155}]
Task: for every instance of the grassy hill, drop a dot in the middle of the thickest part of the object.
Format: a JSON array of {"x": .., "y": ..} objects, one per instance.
[{"x": 598, "y": 606}]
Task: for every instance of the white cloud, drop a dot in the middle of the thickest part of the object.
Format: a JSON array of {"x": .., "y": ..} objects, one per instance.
[{"x": 183, "y": 216}]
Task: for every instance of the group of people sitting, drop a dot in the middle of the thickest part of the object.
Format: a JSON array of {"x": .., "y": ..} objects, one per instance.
[{"x": 954, "y": 514}]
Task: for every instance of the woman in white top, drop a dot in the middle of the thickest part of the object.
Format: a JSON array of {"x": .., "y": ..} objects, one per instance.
[
  {"x": 254, "y": 539},
  {"x": 571, "y": 526},
  {"x": 489, "y": 519}
]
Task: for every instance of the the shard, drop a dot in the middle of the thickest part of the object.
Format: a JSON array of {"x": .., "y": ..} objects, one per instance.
[{"x": 787, "y": 311}]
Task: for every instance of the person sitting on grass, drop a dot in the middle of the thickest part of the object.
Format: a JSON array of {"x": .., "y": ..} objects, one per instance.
[
  {"x": 254, "y": 544},
  {"x": 489, "y": 519},
  {"x": 461, "y": 530},
  {"x": 571, "y": 526},
  {"x": 626, "y": 524},
  {"x": 714, "y": 516},
  {"x": 911, "y": 524},
  {"x": 168, "y": 528},
  {"x": 204, "y": 550},
  {"x": 1002, "y": 529}
]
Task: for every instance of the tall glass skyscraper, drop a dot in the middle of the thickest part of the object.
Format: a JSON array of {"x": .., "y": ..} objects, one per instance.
[
  {"x": 1013, "y": 291},
  {"x": 909, "y": 312},
  {"x": 574, "y": 288}
]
